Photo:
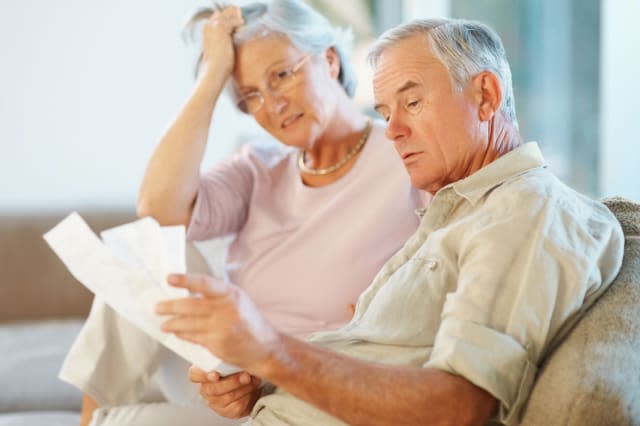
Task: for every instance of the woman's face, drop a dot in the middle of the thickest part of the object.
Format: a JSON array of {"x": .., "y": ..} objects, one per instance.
[{"x": 298, "y": 112}]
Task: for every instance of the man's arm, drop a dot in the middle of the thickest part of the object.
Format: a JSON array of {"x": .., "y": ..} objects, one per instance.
[
  {"x": 360, "y": 392},
  {"x": 226, "y": 322}
]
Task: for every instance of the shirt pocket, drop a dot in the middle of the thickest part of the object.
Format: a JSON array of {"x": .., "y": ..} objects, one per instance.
[{"x": 406, "y": 310}]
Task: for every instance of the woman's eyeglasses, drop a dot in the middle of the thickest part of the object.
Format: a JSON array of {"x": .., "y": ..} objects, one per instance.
[{"x": 278, "y": 81}]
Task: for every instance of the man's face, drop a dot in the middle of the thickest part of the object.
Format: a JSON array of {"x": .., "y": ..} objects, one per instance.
[{"x": 435, "y": 128}]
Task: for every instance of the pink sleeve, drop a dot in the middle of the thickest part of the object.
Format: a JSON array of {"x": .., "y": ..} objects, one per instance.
[{"x": 222, "y": 202}]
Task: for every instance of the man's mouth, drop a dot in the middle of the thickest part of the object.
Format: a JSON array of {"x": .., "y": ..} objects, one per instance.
[{"x": 409, "y": 156}]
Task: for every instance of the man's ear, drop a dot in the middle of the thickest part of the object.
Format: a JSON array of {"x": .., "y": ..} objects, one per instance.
[
  {"x": 488, "y": 92},
  {"x": 333, "y": 60}
]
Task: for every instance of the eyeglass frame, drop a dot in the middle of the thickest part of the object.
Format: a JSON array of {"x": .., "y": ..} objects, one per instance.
[{"x": 291, "y": 70}]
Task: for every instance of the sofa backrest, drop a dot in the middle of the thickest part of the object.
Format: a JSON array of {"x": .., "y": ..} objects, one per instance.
[
  {"x": 593, "y": 376},
  {"x": 34, "y": 282}
]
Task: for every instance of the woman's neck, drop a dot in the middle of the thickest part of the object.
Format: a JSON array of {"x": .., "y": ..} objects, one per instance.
[{"x": 344, "y": 132}]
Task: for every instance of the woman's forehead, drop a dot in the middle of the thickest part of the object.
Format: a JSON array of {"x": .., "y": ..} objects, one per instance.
[
  {"x": 266, "y": 50},
  {"x": 257, "y": 56}
]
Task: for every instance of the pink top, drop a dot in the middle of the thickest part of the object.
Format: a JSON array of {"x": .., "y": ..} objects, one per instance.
[{"x": 304, "y": 254}]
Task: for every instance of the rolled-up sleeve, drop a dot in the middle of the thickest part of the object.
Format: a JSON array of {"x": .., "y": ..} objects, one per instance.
[{"x": 491, "y": 360}]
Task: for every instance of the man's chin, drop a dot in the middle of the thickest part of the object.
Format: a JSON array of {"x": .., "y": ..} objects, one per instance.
[{"x": 419, "y": 182}]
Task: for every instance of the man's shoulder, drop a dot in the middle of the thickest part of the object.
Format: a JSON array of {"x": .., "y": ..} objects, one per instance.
[
  {"x": 539, "y": 192},
  {"x": 534, "y": 181}
]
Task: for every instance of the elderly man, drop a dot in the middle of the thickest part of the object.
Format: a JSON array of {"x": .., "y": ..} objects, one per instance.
[{"x": 452, "y": 329}]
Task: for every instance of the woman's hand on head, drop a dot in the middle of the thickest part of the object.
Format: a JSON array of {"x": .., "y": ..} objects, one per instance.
[
  {"x": 217, "y": 40},
  {"x": 231, "y": 396}
]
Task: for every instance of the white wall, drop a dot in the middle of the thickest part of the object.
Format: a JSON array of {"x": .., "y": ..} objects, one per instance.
[
  {"x": 86, "y": 89},
  {"x": 620, "y": 94},
  {"x": 413, "y": 9}
]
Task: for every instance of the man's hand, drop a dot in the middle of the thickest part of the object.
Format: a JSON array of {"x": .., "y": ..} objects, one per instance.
[
  {"x": 222, "y": 318},
  {"x": 232, "y": 396}
]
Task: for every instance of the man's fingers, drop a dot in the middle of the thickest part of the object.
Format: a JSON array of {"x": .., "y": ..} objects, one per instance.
[
  {"x": 199, "y": 283},
  {"x": 190, "y": 306},
  {"x": 191, "y": 337},
  {"x": 188, "y": 325}
]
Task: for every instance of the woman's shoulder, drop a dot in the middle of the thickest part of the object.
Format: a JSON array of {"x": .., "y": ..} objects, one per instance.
[{"x": 265, "y": 153}]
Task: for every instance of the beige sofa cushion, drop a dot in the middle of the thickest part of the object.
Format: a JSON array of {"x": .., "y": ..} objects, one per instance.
[
  {"x": 593, "y": 377},
  {"x": 35, "y": 283}
]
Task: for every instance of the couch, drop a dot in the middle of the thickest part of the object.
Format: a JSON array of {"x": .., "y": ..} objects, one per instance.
[
  {"x": 592, "y": 378},
  {"x": 42, "y": 308}
]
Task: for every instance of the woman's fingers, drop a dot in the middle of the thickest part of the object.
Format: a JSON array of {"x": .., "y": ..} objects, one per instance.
[
  {"x": 198, "y": 375},
  {"x": 227, "y": 384},
  {"x": 231, "y": 396},
  {"x": 228, "y": 18},
  {"x": 239, "y": 408}
]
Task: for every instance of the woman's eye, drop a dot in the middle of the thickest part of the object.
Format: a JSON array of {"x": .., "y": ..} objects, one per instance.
[{"x": 282, "y": 75}]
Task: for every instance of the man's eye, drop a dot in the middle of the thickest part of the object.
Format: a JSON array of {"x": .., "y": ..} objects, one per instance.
[
  {"x": 384, "y": 115},
  {"x": 413, "y": 105}
]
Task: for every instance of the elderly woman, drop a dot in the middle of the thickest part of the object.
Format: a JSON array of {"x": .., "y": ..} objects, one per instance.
[{"x": 314, "y": 217}]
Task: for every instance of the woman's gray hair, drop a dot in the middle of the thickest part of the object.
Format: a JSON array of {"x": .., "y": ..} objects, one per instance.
[
  {"x": 307, "y": 29},
  {"x": 465, "y": 48}
]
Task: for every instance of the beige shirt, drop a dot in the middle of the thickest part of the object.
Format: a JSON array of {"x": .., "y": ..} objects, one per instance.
[{"x": 503, "y": 263}]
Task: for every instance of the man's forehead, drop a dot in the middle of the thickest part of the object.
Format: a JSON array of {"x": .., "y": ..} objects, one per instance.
[{"x": 397, "y": 68}]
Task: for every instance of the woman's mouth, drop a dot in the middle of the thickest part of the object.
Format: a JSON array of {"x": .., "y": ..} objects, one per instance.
[{"x": 289, "y": 120}]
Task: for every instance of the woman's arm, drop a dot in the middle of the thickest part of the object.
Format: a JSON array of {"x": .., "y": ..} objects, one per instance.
[{"x": 170, "y": 183}]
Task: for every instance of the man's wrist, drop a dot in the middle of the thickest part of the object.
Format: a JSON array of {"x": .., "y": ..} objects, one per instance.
[{"x": 276, "y": 358}]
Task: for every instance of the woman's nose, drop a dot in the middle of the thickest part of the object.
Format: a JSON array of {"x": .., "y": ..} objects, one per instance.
[{"x": 274, "y": 103}]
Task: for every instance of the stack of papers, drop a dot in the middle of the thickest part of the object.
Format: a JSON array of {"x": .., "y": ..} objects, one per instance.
[{"x": 128, "y": 269}]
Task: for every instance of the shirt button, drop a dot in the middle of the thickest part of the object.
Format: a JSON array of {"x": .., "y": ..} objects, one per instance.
[{"x": 431, "y": 264}]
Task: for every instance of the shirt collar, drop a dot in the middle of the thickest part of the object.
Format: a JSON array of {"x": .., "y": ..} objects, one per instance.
[{"x": 515, "y": 162}]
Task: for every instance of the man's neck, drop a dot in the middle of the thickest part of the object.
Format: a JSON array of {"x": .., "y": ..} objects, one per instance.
[{"x": 503, "y": 137}]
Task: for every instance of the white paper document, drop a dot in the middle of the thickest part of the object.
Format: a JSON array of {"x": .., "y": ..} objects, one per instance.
[{"x": 128, "y": 270}]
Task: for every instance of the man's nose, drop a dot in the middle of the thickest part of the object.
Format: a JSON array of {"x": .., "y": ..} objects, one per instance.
[{"x": 397, "y": 130}]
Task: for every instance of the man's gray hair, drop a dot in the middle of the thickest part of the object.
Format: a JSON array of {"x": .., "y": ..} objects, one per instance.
[
  {"x": 465, "y": 48},
  {"x": 307, "y": 29}
]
